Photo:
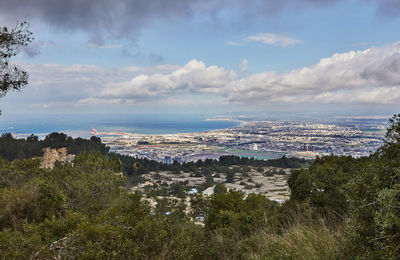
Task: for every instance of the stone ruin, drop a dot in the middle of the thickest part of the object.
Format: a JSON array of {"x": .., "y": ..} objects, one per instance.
[{"x": 51, "y": 156}]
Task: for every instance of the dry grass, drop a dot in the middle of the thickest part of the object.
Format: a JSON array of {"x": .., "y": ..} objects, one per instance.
[
  {"x": 15, "y": 205},
  {"x": 297, "y": 242}
]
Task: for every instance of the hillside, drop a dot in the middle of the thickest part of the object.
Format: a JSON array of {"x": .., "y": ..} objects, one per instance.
[{"x": 339, "y": 208}]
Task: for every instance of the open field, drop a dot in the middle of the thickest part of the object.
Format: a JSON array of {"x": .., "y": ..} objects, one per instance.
[{"x": 269, "y": 181}]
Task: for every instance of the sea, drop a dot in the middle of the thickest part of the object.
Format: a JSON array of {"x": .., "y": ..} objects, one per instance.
[{"x": 81, "y": 126}]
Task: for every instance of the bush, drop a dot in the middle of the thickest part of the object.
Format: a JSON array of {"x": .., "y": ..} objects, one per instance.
[
  {"x": 234, "y": 212},
  {"x": 230, "y": 177}
]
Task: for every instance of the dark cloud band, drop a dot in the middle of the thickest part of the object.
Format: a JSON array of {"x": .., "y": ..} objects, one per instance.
[{"x": 125, "y": 18}]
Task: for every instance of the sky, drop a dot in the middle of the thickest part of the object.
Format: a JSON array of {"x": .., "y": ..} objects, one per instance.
[{"x": 258, "y": 57}]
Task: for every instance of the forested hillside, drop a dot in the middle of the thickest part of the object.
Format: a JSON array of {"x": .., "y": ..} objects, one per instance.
[
  {"x": 340, "y": 208},
  {"x": 23, "y": 148}
]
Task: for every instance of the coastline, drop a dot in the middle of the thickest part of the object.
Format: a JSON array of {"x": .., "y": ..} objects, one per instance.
[{"x": 146, "y": 126}]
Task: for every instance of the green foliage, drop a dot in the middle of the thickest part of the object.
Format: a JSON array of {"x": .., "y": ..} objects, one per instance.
[
  {"x": 12, "y": 77},
  {"x": 32, "y": 196},
  {"x": 374, "y": 196},
  {"x": 79, "y": 211},
  {"x": 365, "y": 191},
  {"x": 283, "y": 162},
  {"x": 233, "y": 211},
  {"x": 18, "y": 149},
  {"x": 178, "y": 189},
  {"x": 323, "y": 183},
  {"x": 392, "y": 136},
  {"x": 199, "y": 206},
  {"x": 230, "y": 176},
  {"x": 340, "y": 208},
  {"x": 25, "y": 197},
  {"x": 209, "y": 181},
  {"x": 220, "y": 188},
  {"x": 92, "y": 182}
]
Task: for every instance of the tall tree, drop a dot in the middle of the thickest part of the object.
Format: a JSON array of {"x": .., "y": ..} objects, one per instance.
[{"x": 12, "y": 76}]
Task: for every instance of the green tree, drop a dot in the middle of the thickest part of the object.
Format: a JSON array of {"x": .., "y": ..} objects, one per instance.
[
  {"x": 232, "y": 212},
  {"x": 374, "y": 197},
  {"x": 209, "y": 181},
  {"x": 323, "y": 184},
  {"x": 230, "y": 176},
  {"x": 12, "y": 77}
]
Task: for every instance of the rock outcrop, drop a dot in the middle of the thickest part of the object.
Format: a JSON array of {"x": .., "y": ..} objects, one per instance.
[{"x": 51, "y": 156}]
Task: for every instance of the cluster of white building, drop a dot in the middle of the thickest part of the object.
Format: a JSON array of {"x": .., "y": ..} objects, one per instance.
[{"x": 287, "y": 137}]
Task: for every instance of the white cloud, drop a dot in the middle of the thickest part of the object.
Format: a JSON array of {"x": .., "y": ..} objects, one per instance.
[
  {"x": 368, "y": 77},
  {"x": 272, "y": 39},
  {"x": 243, "y": 66},
  {"x": 63, "y": 86},
  {"x": 194, "y": 77},
  {"x": 266, "y": 39},
  {"x": 371, "y": 76}
]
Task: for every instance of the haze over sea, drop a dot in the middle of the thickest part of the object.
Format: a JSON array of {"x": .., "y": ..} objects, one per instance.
[{"x": 81, "y": 126}]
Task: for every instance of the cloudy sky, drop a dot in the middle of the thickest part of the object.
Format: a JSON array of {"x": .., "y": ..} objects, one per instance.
[{"x": 208, "y": 56}]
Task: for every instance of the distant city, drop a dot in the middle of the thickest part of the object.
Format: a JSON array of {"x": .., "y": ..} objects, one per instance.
[{"x": 257, "y": 139}]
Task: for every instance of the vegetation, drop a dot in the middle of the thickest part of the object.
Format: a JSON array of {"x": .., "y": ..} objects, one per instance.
[
  {"x": 18, "y": 149},
  {"x": 13, "y": 149},
  {"x": 340, "y": 208},
  {"x": 12, "y": 77}
]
